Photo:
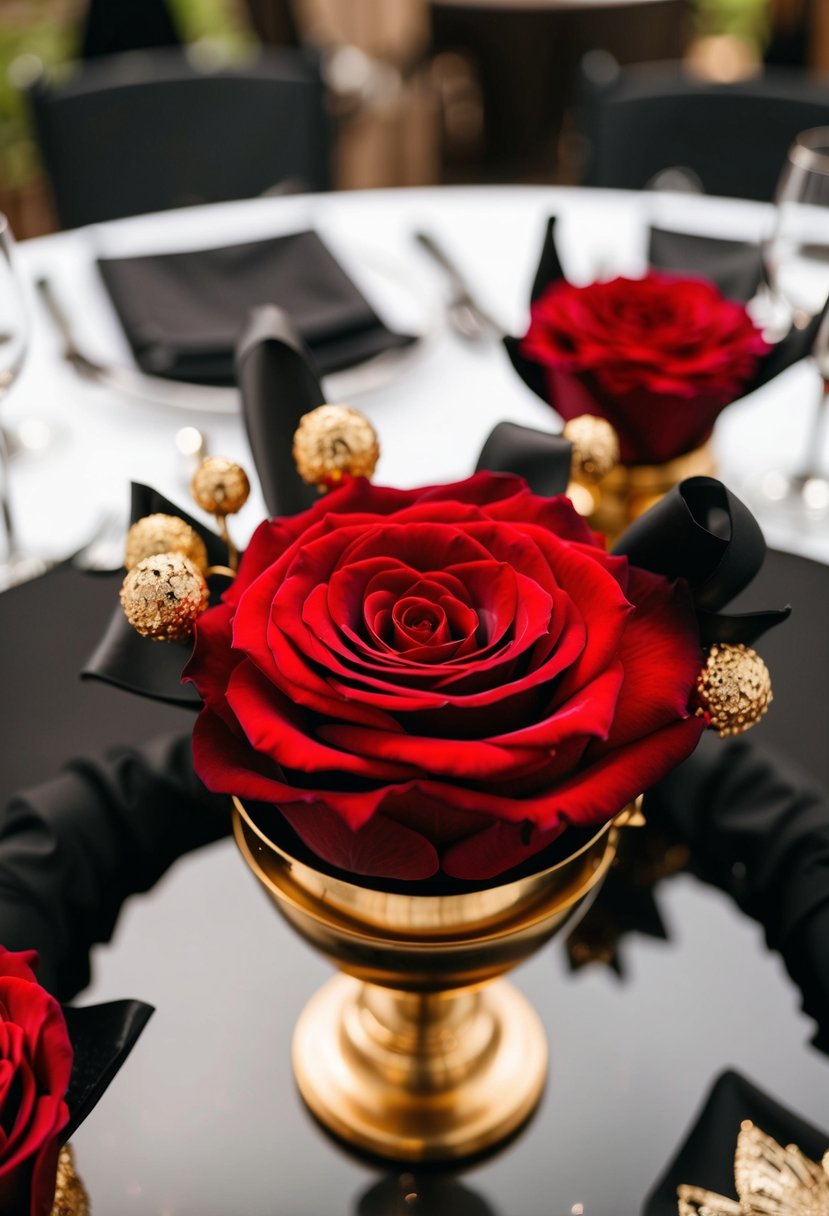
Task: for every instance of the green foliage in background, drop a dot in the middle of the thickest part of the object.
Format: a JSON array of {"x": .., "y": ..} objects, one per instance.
[
  {"x": 44, "y": 33},
  {"x": 745, "y": 19}
]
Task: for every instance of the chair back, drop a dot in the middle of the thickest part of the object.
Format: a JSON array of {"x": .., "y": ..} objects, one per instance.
[
  {"x": 728, "y": 139},
  {"x": 149, "y": 131}
]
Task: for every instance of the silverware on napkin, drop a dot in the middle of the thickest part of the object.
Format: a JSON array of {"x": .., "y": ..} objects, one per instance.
[
  {"x": 128, "y": 380},
  {"x": 463, "y": 312}
]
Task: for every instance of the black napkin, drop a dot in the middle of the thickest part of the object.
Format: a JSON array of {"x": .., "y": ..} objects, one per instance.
[
  {"x": 706, "y": 1156},
  {"x": 758, "y": 827},
  {"x": 75, "y": 847},
  {"x": 735, "y": 266},
  {"x": 183, "y": 312}
]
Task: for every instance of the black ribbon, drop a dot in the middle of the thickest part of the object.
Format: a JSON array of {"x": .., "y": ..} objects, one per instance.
[
  {"x": 279, "y": 384},
  {"x": 541, "y": 458},
  {"x": 143, "y": 665},
  {"x": 703, "y": 533},
  {"x": 102, "y": 1038}
]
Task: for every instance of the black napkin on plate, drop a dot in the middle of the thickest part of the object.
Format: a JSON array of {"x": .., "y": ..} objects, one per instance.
[
  {"x": 758, "y": 828},
  {"x": 183, "y": 312},
  {"x": 706, "y": 1156}
]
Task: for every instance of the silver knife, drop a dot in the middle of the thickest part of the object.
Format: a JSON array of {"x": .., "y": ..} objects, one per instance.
[{"x": 154, "y": 389}]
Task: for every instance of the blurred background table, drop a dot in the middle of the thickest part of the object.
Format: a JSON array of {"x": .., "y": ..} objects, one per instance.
[{"x": 204, "y": 1119}]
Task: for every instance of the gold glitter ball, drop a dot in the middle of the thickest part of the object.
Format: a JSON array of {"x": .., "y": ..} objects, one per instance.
[
  {"x": 734, "y": 688},
  {"x": 334, "y": 441},
  {"x": 70, "y": 1197},
  {"x": 164, "y": 534},
  {"x": 595, "y": 447},
  {"x": 220, "y": 486},
  {"x": 163, "y": 595}
]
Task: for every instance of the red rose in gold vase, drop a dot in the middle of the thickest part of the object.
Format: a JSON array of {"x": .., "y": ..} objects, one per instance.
[
  {"x": 441, "y": 679},
  {"x": 35, "y": 1066},
  {"x": 658, "y": 357}
]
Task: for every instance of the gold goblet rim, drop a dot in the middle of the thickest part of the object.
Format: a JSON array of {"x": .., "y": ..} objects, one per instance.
[{"x": 490, "y": 911}]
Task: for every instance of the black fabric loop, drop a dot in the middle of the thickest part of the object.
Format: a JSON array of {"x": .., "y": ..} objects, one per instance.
[
  {"x": 541, "y": 458},
  {"x": 700, "y": 532},
  {"x": 279, "y": 383},
  {"x": 142, "y": 665}
]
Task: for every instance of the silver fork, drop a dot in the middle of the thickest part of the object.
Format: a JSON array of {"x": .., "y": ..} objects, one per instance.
[{"x": 463, "y": 312}]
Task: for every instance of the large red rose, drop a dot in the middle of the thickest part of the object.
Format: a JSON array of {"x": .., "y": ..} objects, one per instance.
[
  {"x": 442, "y": 678},
  {"x": 35, "y": 1065},
  {"x": 659, "y": 357}
]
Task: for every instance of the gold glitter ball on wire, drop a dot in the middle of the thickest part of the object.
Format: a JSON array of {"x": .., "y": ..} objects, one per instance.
[
  {"x": 595, "y": 447},
  {"x": 70, "y": 1197},
  {"x": 164, "y": 534},
  {"x": 334, "y": 441},
  {"x": 734, "y": 688},
  {"x": 163, "y": 595},
  {"x": 220, "y": 486}
]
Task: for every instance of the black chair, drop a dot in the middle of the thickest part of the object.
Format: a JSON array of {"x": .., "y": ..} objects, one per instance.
[
  {"x": 730, "y": 139},
  {"x": 149, "y": 131}
]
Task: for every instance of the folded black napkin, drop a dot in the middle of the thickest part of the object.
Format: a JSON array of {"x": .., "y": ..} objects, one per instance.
[
  {"x": 73, "y": 848},
  {"x": 183, "y": 312},
  {"x": 735, "y": 266},
  {"x": 706, "y": 1156},
  {"x": 758, "y": 827}
]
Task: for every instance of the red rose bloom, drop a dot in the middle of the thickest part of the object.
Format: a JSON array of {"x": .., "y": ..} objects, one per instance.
[
  {"x": 35, "y": 1065},
  {"x": 441, "y": 678},
  {"x": 659, "y": 357}
]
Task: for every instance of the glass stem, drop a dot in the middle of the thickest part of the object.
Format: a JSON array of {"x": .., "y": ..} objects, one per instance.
[
  {"x": 812, "y": 463},
  {"x": 5, "y": 498}
]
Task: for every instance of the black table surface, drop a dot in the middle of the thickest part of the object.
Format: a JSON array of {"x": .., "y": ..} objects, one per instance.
[{"x": 204, "y": 1119}]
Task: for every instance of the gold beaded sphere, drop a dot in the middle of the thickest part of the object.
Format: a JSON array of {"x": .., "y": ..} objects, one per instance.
[
  {"x": 220, "y": 486},
  {"x": 70, "y": 1197},
  {"x": 333, "y": 441},
  {"x": 595, "y": 447},
  {"x": 163, "y": 595},
  {"x": 164, "y": 534},
  {"x": 734, "y": 688}
]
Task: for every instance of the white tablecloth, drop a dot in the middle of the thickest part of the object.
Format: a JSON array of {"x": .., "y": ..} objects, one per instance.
[{"x": 435, "y": 412}]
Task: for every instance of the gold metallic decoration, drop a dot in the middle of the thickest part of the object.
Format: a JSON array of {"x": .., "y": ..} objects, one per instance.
[
  {"x": 334, "y": 441},
  {"x": 770, "y": 1180},
  {"x": 220, "y": 486},
  {"x": 629, "y": 490},
  {"x": 163, "y": 595},
  {"x": 420, "y": 1052},
  {"x": 734, "y": 688},
  {"x": 70, "y": 1197},
  {"x": 164, "y": 534},
  {"x": 595, "y": 447}
]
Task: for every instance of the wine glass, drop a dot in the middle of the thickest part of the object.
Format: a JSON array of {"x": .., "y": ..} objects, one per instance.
[
  {"x": 797, "y": 270},
  {"x": 16, "y": 566}
]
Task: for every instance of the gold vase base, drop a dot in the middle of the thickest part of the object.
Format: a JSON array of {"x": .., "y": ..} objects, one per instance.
[{"x": 417, "y": 1076}]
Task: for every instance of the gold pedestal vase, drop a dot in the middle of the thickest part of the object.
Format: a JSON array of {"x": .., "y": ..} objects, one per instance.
[
  {"x": 630, "y": 490},
  {"x": 419, "y": 1051}
]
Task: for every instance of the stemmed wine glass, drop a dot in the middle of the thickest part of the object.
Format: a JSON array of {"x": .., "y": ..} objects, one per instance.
[
  {"x": 797, "y": 268},
  {"x": 16, "y": 566}
]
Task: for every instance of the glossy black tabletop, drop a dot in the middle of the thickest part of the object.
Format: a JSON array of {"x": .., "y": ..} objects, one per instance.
[{"x": 204, "y": 1119}]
